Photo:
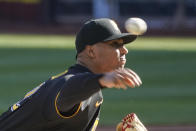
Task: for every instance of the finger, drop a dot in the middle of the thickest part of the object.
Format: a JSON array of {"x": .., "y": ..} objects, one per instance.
[
  {"x": 130, "y": 83},
  {"x": 133, "y": 77},
  {"x": 120, "y": 81},
  {"x": 129, "y": 77},
  {"x": 126, "y": 81},
  {"x": 135, "y": 74}
]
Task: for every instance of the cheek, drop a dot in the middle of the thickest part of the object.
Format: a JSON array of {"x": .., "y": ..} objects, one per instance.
[
  {"x": 115, "y": 54},
  {"x": 108, "y": 59},
  {"x": 107, "y": 55},
  {"x": 111, "y": 56},
  {"x": 118, "y": 53}
]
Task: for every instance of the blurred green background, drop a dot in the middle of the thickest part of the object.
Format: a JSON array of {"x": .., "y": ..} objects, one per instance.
[{"x": 166, "y": 66}]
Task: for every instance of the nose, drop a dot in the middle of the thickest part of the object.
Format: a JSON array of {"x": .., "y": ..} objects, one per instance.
[{"x": 123, "y": 50}]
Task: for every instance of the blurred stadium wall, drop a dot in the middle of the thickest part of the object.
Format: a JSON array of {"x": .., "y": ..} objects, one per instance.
[
  {"x": 162, "y": 16},
  {"x": 12, "y": 11}
]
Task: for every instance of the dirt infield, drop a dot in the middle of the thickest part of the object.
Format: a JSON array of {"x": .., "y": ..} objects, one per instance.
[{"x": 157, "y": 128}]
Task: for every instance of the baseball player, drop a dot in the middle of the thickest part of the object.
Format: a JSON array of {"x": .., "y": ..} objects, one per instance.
[{"x": 71, "y": 101}]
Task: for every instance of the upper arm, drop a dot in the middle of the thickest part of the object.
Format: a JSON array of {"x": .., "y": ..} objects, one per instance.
[{"x": 76, "y": 89}]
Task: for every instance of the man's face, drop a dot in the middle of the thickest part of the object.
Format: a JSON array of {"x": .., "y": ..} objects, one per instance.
[{"x": 110, "y": 55}]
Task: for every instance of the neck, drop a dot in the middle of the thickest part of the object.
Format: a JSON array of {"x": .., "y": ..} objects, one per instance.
[{"x": 89, "y": 65}]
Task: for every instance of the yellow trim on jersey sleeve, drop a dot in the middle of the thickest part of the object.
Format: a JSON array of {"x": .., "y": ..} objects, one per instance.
[
  {"x": 14, "y": 107},
  {"x": 58, "y": 75},
  {"x": 58, "y": 112},
  {"x": 95, "y": 124},
  {"x": 33, "y": 91}
]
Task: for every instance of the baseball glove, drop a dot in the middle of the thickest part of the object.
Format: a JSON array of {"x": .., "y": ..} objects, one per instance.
[{"x": 131, "y": 123}]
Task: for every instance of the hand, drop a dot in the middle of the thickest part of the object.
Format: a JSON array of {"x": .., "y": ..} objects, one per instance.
[{"x": 120, "y": 78}]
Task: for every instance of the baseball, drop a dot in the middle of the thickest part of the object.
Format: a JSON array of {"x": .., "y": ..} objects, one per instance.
[{"x": 136, "y": 26}]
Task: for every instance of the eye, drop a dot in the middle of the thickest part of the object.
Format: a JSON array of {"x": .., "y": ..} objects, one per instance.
[{"x": 116, "y": 45}]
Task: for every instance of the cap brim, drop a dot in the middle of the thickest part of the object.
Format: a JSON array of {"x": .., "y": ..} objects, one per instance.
[{"x": 127, "y": 37}]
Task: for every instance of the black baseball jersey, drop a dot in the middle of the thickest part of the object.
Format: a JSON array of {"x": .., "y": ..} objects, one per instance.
[{"x": 67, "y": 102}]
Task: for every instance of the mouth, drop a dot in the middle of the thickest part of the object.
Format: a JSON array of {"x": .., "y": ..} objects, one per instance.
[{"x": 122, "y": 59}]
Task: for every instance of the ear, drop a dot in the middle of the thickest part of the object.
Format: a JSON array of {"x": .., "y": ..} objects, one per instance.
[{"x": 90, "y": 51}]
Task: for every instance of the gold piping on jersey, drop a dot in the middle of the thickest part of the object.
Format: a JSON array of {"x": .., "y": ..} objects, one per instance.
[
  {"x": 15, "y": 106},
  {"x": 95, "y": 124},
  {"x": 58, "y": 112},
  {"x": 33, "y": 91},
  {"x": 58, "y": 75},
  {"x": 98, "y": 103}
]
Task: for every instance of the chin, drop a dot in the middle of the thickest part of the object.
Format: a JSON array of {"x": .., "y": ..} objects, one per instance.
[{"x": 121, "y": 66}]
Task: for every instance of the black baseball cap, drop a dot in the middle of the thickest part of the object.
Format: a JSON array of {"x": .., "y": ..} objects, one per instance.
[{"x": 100, "y": 30}]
